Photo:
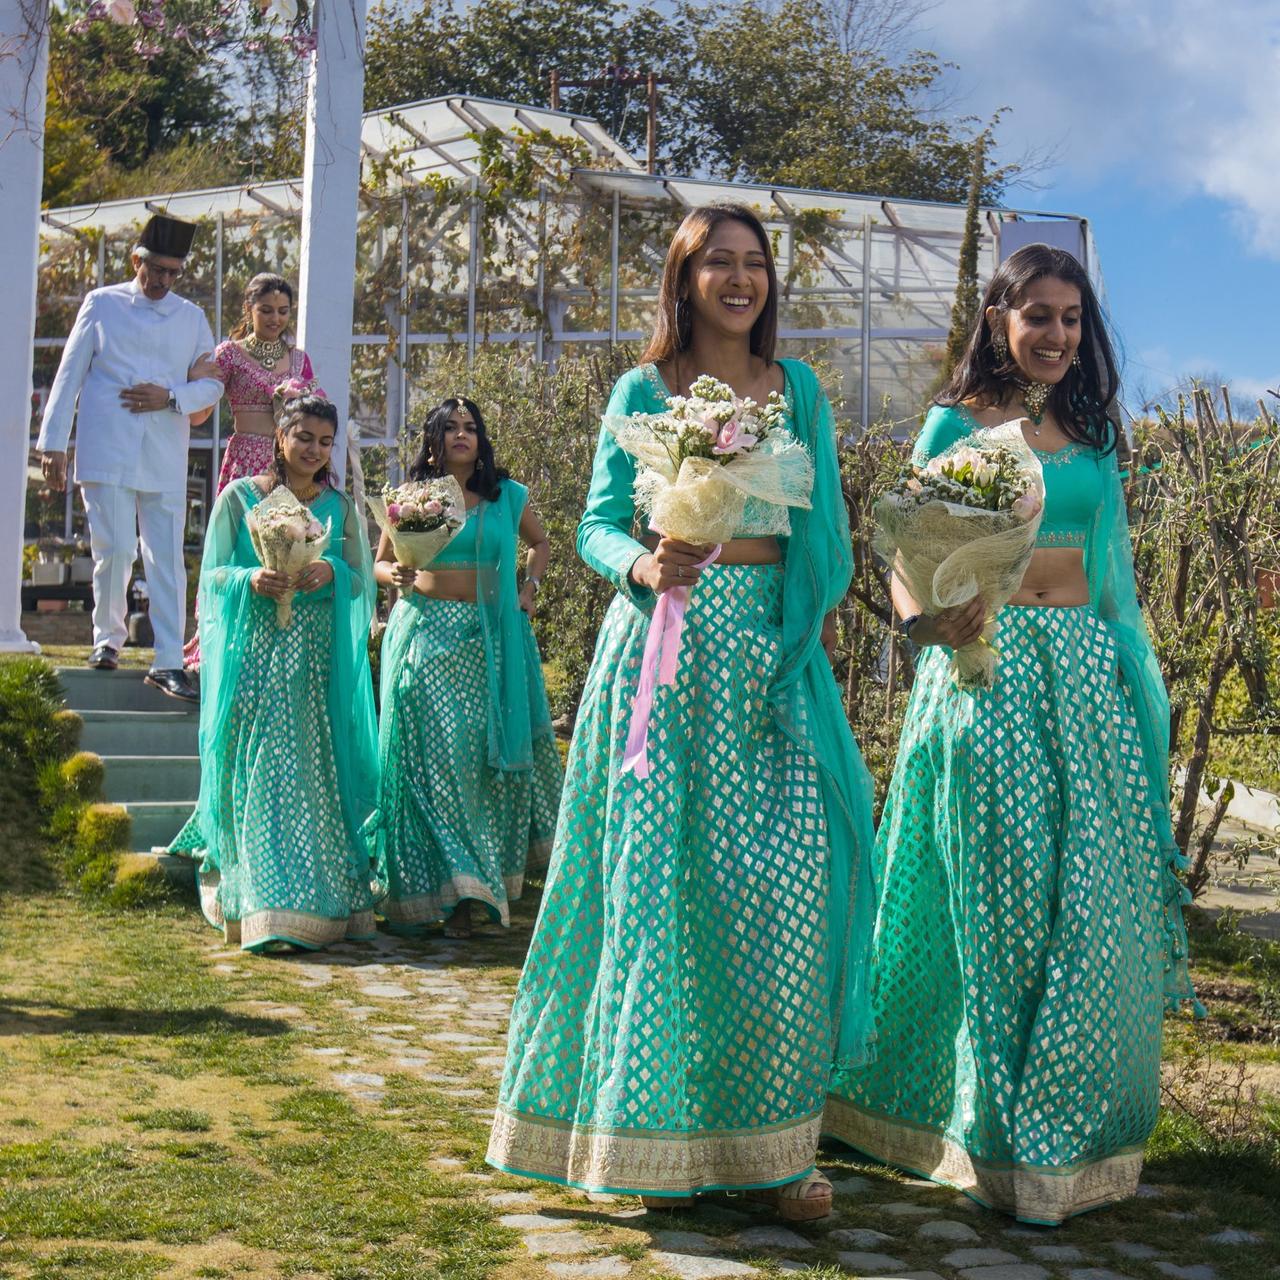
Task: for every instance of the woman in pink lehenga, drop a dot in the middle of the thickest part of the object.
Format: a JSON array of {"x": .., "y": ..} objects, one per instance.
[{"x": 252, "y": 363}]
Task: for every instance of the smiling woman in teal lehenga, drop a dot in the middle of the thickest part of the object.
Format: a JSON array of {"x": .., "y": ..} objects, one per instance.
[
  {"x": 1029, "y": 930},
  {"x": 288, "y": 746},
  {"x": 695, "y": 968}
]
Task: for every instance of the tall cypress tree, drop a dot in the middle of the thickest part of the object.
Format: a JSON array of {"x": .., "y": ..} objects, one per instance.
[{"x": 964, "y": 311}]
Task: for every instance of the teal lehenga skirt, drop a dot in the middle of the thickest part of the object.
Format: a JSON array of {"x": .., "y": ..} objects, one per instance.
[
  {"x": 1020, "y": 938},
  {"x": 671, "y": 1031},
  {"x": 293, "y": 869},
  {"x": 449, "y": 827}
]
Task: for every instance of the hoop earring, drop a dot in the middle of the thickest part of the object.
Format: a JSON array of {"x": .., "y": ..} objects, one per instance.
[
  {"x": 684, "y": 322},
  {"x": 1000, "y": 345}
]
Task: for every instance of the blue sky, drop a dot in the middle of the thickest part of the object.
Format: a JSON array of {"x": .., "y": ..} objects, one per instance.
[{"x": 1163, "y": 121}]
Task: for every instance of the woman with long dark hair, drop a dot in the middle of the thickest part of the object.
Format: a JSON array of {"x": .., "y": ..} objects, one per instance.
[
  {"x": 1029, "y": 930},
  {"x": 288, "y": 739},
  {"x": 470, "y": 772},
  {"x": 695, "y": 969},
  {"x": 251, "y": 363}
]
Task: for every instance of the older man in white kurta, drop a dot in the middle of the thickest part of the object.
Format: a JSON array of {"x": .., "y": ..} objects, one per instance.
[{"x": 126, "y": 364}]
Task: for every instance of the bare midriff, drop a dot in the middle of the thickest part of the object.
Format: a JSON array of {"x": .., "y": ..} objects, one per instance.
[
  {"x": 254, "y": 422},
  {"x": 447, "y": 584},
  {"x": 1054, "y": 580},
  {"x": 737, "y": 550}
]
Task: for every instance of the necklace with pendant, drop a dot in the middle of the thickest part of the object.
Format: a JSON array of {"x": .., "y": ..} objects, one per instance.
[
  {"x": 1035, "y": 396},
  {"x": 267, "y": 354}
]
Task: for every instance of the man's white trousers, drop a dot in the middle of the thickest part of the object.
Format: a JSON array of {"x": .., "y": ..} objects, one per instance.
[{"x": 117, "y": 516}]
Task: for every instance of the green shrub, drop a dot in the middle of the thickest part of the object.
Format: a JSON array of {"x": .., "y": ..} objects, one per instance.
[
  {"x": 69, "y": 726},
  {"x": 84, "y": 775},
  {"x": 30, "y": 698},
  {"x": 103, "y": 828},
  {"x": 64, "y": 820},
  {"x": 51, "y": 786}
]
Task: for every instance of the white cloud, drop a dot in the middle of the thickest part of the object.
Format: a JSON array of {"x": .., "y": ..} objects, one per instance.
[{"x": 1180, "y": 93}]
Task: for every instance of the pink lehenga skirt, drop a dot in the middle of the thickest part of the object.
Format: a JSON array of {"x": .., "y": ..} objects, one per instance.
[{"x": 245, "y": 455}]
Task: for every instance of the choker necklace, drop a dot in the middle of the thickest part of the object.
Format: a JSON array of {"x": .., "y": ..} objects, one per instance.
[
  {"x": 1035, "y": 396},
  {"x": 306, "y": 493},
  {"x": 267, "y": 354}
]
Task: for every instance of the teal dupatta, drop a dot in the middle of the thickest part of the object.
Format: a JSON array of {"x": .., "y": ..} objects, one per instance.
[
  {"x": 804, "y": 698},
  {"x": 225, "y": 594},
  {"x": 517, "y": 705}
]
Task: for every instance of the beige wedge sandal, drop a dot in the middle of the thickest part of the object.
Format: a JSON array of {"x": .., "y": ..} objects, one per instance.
[{"x": 804, "y": 1200}]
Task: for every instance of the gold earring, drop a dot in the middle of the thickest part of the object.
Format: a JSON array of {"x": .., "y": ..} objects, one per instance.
[{"x": 1000, "y": 345}]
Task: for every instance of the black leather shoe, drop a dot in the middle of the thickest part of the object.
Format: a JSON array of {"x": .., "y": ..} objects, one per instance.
[
  {"x": 174, "y": 683},
  {"x": 104, "y": 658}
]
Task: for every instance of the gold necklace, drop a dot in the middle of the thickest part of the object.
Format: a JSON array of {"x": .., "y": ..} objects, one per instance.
[
  {"x": 1035, "y": 396},
  {"x": 267, "y": 354},
  {"x": 304, "y": 494}
]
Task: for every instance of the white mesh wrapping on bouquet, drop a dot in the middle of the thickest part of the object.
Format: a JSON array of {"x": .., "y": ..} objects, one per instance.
[
  {"x": 946, "y": 553},
  {"x": 280, "y": 554},
  {"x": 709, "y": 501}
]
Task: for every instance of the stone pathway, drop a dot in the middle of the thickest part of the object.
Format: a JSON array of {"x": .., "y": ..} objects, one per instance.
[{"x": 436, "y": 1014}]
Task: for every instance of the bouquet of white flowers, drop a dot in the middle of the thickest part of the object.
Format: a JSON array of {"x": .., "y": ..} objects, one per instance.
[
  {"x": 964, "y": 525},
  {"x": 421, "y": 517},
  {"x": 286, "y": 538},
  {"x": 700, "y": 461},
  {"x": 706, "y": 454}
]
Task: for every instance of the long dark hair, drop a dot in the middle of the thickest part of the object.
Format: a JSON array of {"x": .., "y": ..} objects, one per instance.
[
  {"x": 487, "y": 478},
  {"x": 1084, "y": 400},
  {"x": 673, "y": 325},
  {"x": 292, "y": 413},
  {"x": 257, "y": 288}
]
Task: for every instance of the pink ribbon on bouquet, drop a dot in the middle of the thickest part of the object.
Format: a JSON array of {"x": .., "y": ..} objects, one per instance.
[{"x": 658, "y": 666}]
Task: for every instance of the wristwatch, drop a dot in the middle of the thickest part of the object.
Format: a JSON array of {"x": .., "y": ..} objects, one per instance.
[
  {"x": 172, "y": 402},
  {"x": 535, "y": 583},
  {"x": 905, "y": 625}
]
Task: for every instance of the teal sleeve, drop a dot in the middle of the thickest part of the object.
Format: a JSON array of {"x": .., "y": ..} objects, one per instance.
[
  {"x": 604, "y": 540},
  {"x": 943, "y": 426}
]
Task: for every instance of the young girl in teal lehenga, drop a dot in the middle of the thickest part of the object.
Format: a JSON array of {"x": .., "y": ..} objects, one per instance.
[
  {"x": 287, "y": 734},
  {"x": 470, "y": 780},
  {"x": 695, "y": 965},
  {"x": 1029, "y": 930}
]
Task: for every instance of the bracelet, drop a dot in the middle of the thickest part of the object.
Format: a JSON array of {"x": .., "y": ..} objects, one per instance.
[{"x": 533, "y": 582}]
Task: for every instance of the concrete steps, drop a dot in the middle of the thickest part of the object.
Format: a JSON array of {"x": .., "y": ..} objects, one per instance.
[{"x": 149, "y": 744}]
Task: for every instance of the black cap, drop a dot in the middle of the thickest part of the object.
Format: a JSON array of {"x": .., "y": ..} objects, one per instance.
[{"x": 167, "y": 236}]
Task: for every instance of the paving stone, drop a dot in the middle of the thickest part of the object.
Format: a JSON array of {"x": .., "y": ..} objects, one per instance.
[
  {"x": 1147, "y": 1192},
  {"x": 722, "y": 1213},
  {"x": 1056, "y": 1253},
  {"x": 369, "y": 1095},
  {"x": 685, "y": 1267},
  {"x": 866, "y": 1264},
  {"x": 851, "y": 1186},
  {"x": 944, "y": 1229},
  {"x": 684, "y": 1242},
  {"x": 771, "y": 1238},
  {"x": 858, "y": 1237},
  {"x": 503, "y": 1199},
  {"x": 611, "y": 1266},
  {"x": 326, "y": 1053},
  {"x": 904, "y": 1209},
  {"x": 624, "y": 1214},
  {"x": 979, "y": 1257},
  {"x": 1006, "y": 1271},
  {"x": 394, "y": 1042},
  {"x": 449, "y": 1162},
  {"x": 1233, "y": 1235},
  {"x": 559, "y": 1243},
  {"x": 1198, "y": 1271},
  {"x": 386, "y": 991},
  {"x": 352, "y": 1079},
  {"x": 1094, "y": 1273},
  {"x": 1133, "y": 1249},
  {"x": 528, "y": 1221}
]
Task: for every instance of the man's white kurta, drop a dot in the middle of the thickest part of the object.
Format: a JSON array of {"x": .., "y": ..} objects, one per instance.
[{"x": 122, "y": 338}]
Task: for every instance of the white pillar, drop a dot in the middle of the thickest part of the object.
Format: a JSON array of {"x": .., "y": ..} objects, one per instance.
[
  {"x": 24, "y": 58},
  {"x": 330, "y": 201}
]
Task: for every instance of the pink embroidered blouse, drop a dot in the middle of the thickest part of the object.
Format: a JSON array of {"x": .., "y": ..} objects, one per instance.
[{"x": 249, "y": 385}]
